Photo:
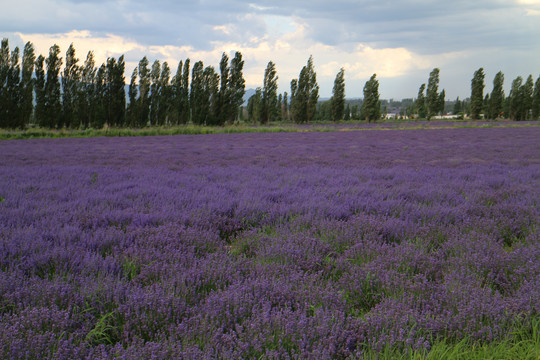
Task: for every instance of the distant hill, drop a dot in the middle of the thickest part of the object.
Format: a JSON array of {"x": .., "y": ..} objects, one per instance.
[{"x": 249, "y": 93}]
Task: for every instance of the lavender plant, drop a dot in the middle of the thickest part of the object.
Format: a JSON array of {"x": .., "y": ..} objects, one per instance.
[{"x": 294, "y": 245}]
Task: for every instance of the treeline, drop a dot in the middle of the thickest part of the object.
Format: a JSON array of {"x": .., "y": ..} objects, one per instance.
[
  {"x": 522, "y": 103},
  {"x": 267, "y": 105},
  {"x": 34, "y": 90}
]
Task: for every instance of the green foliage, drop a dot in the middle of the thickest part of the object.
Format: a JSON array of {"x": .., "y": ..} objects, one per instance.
[
  {"x": 477, "y": 93},
  {"x": 53, "y": 105},
  {"x": 85, "y": 94},
  {"x": 237, "y": 86},
  {"x": 433, "y": 102},
  {"x": 338, "y": 96},
  {"x": 371, "y": 107},
  {"x": 131, "y": 269},
  {"x": 269, "y": 94},
  {"x": 70, "y": 83},
  {"x": 254, "y": 107},
  {"x": 457, "y": 106},
  {"x": 204, "y": 95},
  {"x": 133, "y": 107},
  {"x": 40, "y": 110},
  {"x": 27, "y": 86},
  {"x": 197, "y": 94},
  {"x": 183, "y": 96},
  {"x": 107, "y": 330},
  {"x": 144, "y": 93},
  {"x": 496, "y": 104},
  {"x": 94, "y": 177},
  {"x": 528, "y": 90},
  {"x": 223, "y": 101},
  {"x": 285, "y": 107},
  {"x": 115, "y": 91},
  {"x": 521, "y": 100},
  {"x": 99, "y": 99},
  {"x": 155, "y": 94},
  {"x": 523, "y": 344},
  {"x": 305, "y": 94},
  {"x": 536, "y": 100},
  {"x": 420, "y": 103},
  {"x": 4, "y": 72},
  {"x": 363, "y": 296}
]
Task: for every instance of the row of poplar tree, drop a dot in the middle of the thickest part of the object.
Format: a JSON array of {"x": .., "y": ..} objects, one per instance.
[
  {"x": 34, "y": 91},
  {"x": 523, "y": 102},
  {"x": 267, "y": 105}
]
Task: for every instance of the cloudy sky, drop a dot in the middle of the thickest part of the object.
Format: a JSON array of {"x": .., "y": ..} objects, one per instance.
[{"x": 400, "y": 40}]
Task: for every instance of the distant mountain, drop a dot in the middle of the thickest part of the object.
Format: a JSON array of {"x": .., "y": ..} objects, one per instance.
[{"x": 249, "y": 93}]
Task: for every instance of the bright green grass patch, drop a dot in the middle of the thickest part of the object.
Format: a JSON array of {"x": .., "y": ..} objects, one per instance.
[
  {"x": 36, "y": 133},
  {"x": 121, "y": 132},
  {"x": 523, "y": 344}
]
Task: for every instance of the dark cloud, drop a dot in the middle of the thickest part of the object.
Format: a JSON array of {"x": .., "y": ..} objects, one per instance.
[
  {"x": 489, "y": 32},
  {"x": 421, "y": 25}
]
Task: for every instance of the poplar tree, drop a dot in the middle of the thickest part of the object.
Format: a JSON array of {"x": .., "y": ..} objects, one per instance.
[
  {"x": 85, "y": 95},
  {"x": 285, "y": 107},
  {"x": 223, "y": 103},
  {"x": 155, "y": 91},
  {"x": 144, "y": 92},
  {"x": 176, "y": 88},
  {"x": 41, "y": 107},
  {"x": 165, "y": 95},
  {"x": 254, "y": 107},
  {"x": 496, "y": 102},
  {"x": 294, "y": 106},
  {"x": 70, "y": 82},
  {"x": 269, "y": 93},
  {"x": 305, "y": 94},
  {"x": 185, "y": 113},
  {"x": 115, "y": 91},
  {"x": 442, "y": 101},
  {"x": 98, "y": 102},
  {"x": 197, "y": 96},
  {"x": 477, "y": 93},
  {"x": 210, "y": 98},
  {"x": 457, "y": 106},
  {"x": 338, "y": 96},
  {"x": 133, "y": 92},
  {"x": 421, "y": 102},
  {"x": 180, "y": 109},
  {"x": 237, "y": 87},
  {"x": 527, "y": 93},
  {"x": 312, "y": 90},
  {"x": 12, "y": 109},
  {"x": 27, "y": 85},
  {"x": 536, "y": 100},
  {"x": 4, "y": 71},
  {"x": 52, "y": 88},
  {"x": 371, "y": 107},
  {"x": 516, "y": 99},
  {"x": 432, "y": 94}
]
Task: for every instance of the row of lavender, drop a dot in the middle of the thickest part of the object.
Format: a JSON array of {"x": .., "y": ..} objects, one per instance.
[{"x": 315, "y": 245}]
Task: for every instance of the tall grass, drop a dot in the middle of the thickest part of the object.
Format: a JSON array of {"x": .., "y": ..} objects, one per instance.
[
  {"x": 523, "y": 344},
  {"x": 36, "y": 133}
]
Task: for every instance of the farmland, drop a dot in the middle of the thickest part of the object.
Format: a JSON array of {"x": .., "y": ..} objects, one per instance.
[{"x": 341, "y": 244}]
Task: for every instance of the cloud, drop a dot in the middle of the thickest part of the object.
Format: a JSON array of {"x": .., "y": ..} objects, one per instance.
[{"x": 398, "y": 40}]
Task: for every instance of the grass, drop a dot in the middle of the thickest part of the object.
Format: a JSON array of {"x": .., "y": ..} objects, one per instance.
[
  {"x": 523, "y": 344},
  {"x": 36, "y": 133}
]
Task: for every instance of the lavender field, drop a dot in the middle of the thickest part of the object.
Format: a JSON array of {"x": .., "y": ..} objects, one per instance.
[{"x": 313, "y": 245}]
